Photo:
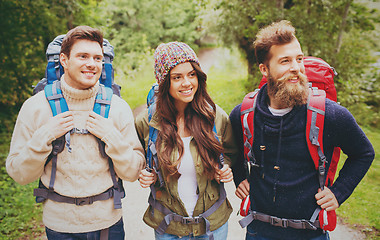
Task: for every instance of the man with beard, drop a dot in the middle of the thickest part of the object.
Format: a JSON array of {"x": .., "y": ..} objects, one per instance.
[{"x": 284, "y": 183}]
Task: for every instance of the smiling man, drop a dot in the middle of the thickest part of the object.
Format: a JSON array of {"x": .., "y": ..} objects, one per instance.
[
  {"x": 82, "y": 203},
  {"x": 82, "y": 64},
  {"x": 283, "y": 185}
]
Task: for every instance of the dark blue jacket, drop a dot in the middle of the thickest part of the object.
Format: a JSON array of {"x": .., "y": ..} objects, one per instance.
[{"x": 289, "y": 192}]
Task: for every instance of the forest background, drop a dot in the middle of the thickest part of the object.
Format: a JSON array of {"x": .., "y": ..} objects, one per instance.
[{"x": 345, "y": 33}]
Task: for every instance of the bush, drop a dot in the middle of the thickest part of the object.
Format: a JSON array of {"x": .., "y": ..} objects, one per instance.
[{"x": 20, "y": 216}]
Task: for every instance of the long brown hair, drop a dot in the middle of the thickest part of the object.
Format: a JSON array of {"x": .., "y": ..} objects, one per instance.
[{"x": 199, "y": 119}]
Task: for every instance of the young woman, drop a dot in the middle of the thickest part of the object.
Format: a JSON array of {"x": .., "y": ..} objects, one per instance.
[{"x": 192, "y": 134}]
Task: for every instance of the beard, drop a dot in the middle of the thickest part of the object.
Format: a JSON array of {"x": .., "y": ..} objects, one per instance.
[{"x": 289, "y": 94}]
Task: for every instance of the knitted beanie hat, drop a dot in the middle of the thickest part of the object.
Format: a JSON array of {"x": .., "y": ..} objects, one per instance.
[{"x": 169, "y": 55}]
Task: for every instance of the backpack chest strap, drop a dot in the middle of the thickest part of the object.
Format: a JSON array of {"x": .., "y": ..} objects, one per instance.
[
  {"x": 312, "y": 224},
  {"x": 45, "y": 193},
  {"x": 79, "y": 131}
]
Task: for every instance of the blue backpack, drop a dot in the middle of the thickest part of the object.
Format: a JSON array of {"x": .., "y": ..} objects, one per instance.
[
  {"x": 52, "y": 87},
  {"x": 152, "y": 164}
]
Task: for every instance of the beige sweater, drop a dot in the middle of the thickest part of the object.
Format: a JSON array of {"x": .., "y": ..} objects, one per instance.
[{"x": 83, "y": 172}]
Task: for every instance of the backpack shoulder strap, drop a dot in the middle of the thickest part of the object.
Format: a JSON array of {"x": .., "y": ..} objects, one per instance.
[
  {"x": 102, "y": 107},
  {"x": 247, "y": 116},
  {"x": 221, "y": 157},
  {"x": 103, "y": 99},
  {"x": 314, "y": 138},
  {"x": 53, "y": 93},
  {"x": 151, "y": 98},
  {"x": 58, "y": 104},
  {"x": 151, "y": 154},
  {"x": 314, "y": 130}
]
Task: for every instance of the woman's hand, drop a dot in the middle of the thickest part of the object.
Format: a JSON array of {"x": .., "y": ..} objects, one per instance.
[
  {"x": 224, "y": 174},
  {"x": 147, "y": 178}
]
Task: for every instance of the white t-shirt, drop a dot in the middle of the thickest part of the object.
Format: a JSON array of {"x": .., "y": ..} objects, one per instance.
[
  {"x": 280, "y": 112},
  {"x": 187, "y": 182}
]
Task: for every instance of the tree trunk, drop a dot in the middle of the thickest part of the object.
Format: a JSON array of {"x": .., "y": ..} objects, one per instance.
[
  {"x": 70, "y": 19},
  {"x": 342, "y": 26},
  {"x": 280, "y": 7},
  {"x": 247, "y": 46}
]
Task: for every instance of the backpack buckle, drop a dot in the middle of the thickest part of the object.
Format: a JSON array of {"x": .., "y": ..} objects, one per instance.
[
  {"x": 83, "y": 201},
  {"x": 275, "y": 221},
  {"x": 308, "y": 225},
  {"x": 279, "y": 222},
  {"x": 321, "y": 170},
  {"x": 191, "y": 220},
  {"x": 253, "y": 164}
]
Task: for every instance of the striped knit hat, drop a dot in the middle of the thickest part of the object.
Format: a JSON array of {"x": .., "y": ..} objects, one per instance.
[{"x": 169, "y": 55}]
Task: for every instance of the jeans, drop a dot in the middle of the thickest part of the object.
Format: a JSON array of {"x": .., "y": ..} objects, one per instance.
[
  {"x": 252, "y": 235},
  {"x": 115, "y": 232},
  {"x": 219, "y": 234}
]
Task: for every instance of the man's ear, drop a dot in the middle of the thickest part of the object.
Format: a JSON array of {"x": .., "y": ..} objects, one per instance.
[
  {"x": 264, "y": 69},
  {"x": 63, "y": 59}
]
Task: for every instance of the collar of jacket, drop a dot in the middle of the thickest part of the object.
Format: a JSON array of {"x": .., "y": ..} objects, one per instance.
[
  {"x": 154, "y": 122},
  {"x": 272, "y": 124}
]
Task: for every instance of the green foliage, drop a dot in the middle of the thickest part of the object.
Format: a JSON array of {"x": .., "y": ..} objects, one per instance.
[
  {"x": 364, "y": 100},
  {"x": 225, "y": 78},
  {"x": 136, "y": 28},
  {"x": 20, "y": 217},
  {"x": 361, "y": 208},
  {"x": 342, "y": 32},
  {"x": 135, "y": 91},
  {"x": 27, "y": 27},
  {"x": 237, "y": 23},
  {"x": 21, "y": 47}
]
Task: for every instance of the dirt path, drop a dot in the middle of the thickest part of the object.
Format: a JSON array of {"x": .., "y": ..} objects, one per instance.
[{"x": 135, "y": 204}]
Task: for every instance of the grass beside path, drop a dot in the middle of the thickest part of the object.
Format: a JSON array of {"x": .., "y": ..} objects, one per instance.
[
  {"x": 20, "y": 216},
  {"x": 361, "y": 208}
]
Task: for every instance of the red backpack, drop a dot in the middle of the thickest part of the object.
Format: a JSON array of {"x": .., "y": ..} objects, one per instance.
[{"x": 321, "y": 76}]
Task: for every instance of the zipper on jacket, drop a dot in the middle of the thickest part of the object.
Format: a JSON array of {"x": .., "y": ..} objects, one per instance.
[{"x": 277, "y": 163}]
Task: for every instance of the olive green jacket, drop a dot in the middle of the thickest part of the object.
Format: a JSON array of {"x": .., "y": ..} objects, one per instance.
[{"x": 208, "y": 189}]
